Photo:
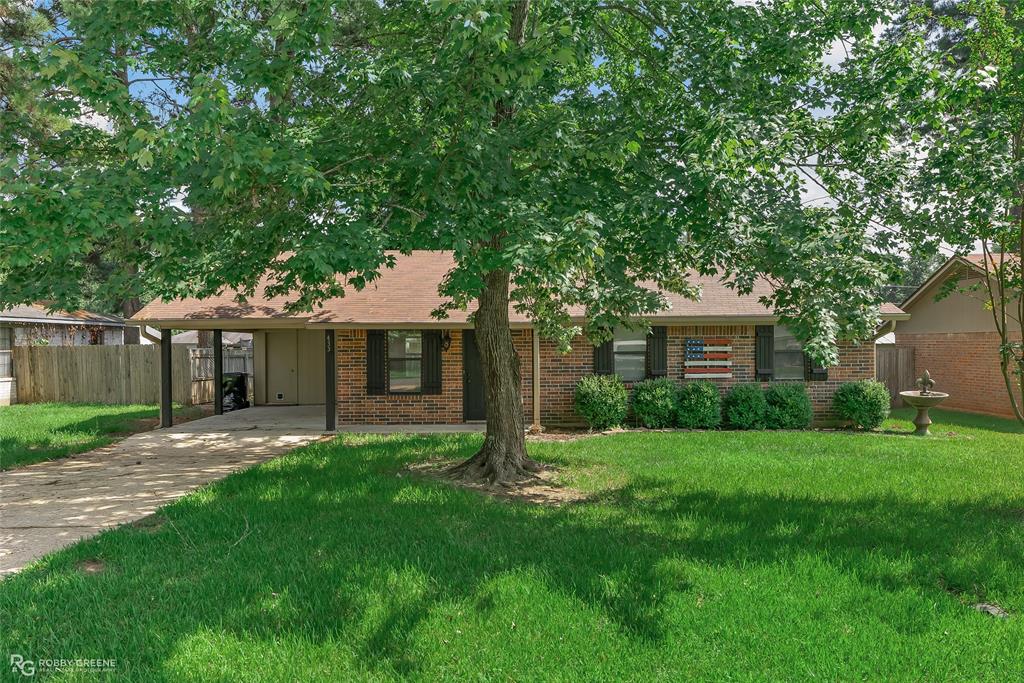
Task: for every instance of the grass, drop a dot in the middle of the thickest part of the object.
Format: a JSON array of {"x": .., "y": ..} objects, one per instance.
[
  {"x": 720, "y": 556},
  {"x": 34, "y": 432}
]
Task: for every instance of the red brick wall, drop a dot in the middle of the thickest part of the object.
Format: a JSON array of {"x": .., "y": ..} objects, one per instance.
[
  {"x": 559, "y": 374},
  {"x": 965, "y": 365},
  {"x": 356, "y": 407}
]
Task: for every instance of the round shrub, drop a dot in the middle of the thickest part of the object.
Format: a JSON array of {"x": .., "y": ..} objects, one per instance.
[
  {"x": 700, "y": 406},
  {"x": 789, "y": 406},
  {"x": 744, "y": 407},
  {"x": 654, "y": 403},
  {"x": 602, "y": 400},
  {"x": 865, "y": 404}
]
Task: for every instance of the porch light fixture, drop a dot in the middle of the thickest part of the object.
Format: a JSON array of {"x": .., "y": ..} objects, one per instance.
[{"x": 446, "y": 340}]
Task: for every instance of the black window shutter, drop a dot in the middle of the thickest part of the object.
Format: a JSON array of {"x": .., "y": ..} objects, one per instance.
[
  {"x": 814, "y": 372},
  {"x": 604, "y": 359},
  {"x": 764, "y": 352},
  {"x": 430, "y": 366},
  {"x": 376, "y": 362},
  {"x": 657, "y": 352}
]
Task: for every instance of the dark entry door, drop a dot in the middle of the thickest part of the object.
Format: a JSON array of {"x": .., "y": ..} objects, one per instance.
[{"x": 473, "y": 404}]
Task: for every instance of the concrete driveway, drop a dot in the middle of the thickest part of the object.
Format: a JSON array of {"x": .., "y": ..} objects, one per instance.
[{"x": 49, "y": 505}]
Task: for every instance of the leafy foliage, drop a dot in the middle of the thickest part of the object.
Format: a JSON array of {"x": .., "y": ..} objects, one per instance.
[
  {"x": 788, "y": 406},
  {"x": 745, "y": 407},
  {"x": 700, "y": 406},
  {"x": 654, "y": 402},
  {"x": 938, "y": 157},
  {"x": 603, "y": 145},
  {"x": 602, "y": 400},
  {"x": 865, "y": 404}
]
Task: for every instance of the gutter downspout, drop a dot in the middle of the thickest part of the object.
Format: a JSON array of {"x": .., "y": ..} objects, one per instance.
[
  {"x": 144, "y": 331},
  {"x": 889, "y": 326}
]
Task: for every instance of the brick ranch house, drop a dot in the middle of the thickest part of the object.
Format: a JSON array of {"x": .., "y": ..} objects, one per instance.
[
  {"x": 955, "y": 338},
  {"x": 377, "y": 356}
]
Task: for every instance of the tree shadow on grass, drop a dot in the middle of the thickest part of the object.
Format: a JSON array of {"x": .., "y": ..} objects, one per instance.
[{"x": 359, "y": 554}]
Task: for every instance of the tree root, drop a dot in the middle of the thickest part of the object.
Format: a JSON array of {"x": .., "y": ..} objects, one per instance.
[{"x": 495, "y": 468}]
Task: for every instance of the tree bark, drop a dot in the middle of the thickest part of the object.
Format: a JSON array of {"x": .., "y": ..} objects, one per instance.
[{"x": 502, "y": 458}]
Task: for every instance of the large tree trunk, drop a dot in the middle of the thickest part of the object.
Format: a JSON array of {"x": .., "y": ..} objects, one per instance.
[{"x": 502, "y": 458}]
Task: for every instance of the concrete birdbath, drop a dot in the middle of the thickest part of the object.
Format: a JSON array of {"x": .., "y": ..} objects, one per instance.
[{"x": 923, "y": 399}]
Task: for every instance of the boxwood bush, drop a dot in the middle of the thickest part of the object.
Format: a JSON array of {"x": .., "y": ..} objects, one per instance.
[
  {"x": 602, "y": 400},
  {"x": 789, "y": 406},
  {"x": 745, "y": 407},
  {"x": 654, "y": 403},
  {"x": 865, "y": 404},
  {"x": 699, "y": 406}
]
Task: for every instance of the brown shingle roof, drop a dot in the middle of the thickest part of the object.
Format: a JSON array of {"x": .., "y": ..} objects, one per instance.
[{"x": 407, "y": 294}]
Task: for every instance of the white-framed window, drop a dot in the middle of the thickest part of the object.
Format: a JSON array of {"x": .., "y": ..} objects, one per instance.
[
  {"x": 629, "y": 354},
  {"x": 789, "y": 355},
  {"x": 405, "y": 359},
  {"x": 6, "y": 350}
]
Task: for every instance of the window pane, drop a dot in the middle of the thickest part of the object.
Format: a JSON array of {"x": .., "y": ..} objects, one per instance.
[
  {"x": 404, "y": 375},
  {"x": 5, "y": 364},
  {"x": 630, "y": 366},
  {"x": 785, "y": 341},
  {"x": 5, "y": 338},
  {"x": 629, "y": 341},
  {"x": 404, "y": 344},
  {"x": 789, "y": 365}
]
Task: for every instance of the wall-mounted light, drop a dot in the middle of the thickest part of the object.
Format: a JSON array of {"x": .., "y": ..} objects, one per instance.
[{"x": 446, "y": 340}]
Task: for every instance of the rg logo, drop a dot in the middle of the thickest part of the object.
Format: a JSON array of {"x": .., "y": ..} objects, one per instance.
[{"x": 26, "y": 667}]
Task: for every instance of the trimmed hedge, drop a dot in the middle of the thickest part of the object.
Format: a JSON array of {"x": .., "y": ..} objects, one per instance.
[
  {"x": 602, "y": 400},
  {"x": 654, "y": 403},
  {"x": 865, "y": 403},
  {"x": 745, "y": 407},
  {"x": 789, "y": 406},
  {"x": 700, "y": 406}
]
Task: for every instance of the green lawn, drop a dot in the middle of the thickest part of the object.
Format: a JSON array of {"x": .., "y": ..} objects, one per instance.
[
  {"x": 720, "y": 556},
  {"x": 34, "y": 432}
]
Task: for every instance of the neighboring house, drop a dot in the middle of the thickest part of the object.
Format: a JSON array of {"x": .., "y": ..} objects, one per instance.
[
  {"x": 955, "y": 338},
  {"x": 396, "y": 364},
  {"x": 190, "y": 338},
  {"x": 32, "y": 324}
]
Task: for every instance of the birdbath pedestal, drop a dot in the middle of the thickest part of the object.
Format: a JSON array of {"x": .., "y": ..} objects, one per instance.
[{"x": 922, "y": 401}]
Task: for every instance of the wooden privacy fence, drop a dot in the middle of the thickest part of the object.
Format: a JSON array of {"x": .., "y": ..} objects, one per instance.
[
  {"x": 99, "y": 374},
  {"x": 894, "y": 367},
  {"x": 201, "y": 362}
]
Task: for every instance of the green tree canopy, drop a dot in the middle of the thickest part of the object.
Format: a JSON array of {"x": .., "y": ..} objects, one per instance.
[{"x": 566, "y": 151}]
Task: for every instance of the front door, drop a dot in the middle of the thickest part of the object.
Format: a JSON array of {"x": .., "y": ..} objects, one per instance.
[{"x": 474, "y": 406}]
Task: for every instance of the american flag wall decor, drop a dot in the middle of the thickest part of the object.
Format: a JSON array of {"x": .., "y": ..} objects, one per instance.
[{"x": 708, "y": 358}]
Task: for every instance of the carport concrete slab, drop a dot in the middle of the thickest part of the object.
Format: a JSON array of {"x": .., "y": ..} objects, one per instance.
[{"x": 52, "y": 504}]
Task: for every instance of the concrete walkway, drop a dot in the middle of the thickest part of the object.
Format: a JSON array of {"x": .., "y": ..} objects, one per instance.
[{"x": 49, "y": 505}]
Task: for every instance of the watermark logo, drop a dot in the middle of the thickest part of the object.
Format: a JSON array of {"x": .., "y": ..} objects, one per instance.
[{"x": 28, "y": 667}]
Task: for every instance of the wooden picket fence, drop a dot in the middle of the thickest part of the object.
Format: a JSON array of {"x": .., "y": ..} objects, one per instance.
[
  {"x": 99, "y": 374},
  {"x": 201, "y": 361}
]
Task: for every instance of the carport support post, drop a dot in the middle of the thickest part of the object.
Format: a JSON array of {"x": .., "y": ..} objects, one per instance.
[
  {"x": 218, "y": 374},
  {"x": 330, "y": 381},
  {"x": 166, "y": 416}
]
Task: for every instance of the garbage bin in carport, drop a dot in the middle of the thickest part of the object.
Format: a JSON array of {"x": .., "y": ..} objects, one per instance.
[{"x": 235, "y": 391}]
